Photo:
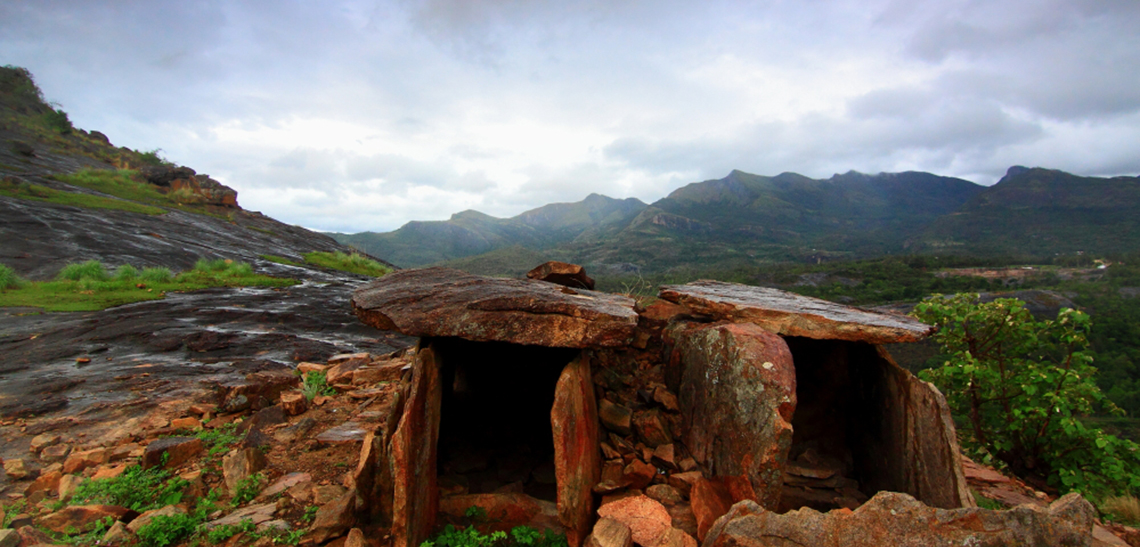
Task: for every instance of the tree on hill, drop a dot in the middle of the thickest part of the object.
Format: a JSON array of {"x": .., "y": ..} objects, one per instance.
[{"x": 1019, "y": 388}]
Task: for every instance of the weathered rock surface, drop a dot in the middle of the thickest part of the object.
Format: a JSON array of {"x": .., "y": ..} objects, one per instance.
[
  {"x": 577, "y": 465},
  {"x": 79, "y": 517},
  {"x": 445, "y": 302},
  {"x": 561, "y": 273},
  {"x": 171, "y": 452},
  {"x": 504, "y": 511},
  {"x": 794, "y": 315},
  {"x": 415, "y": 497},
  {"x": 647, "y": 519},
  {"x": 895, "y": 519},
  {"x": 609, "y": 533},
  {"x": 738, "y": 395}
]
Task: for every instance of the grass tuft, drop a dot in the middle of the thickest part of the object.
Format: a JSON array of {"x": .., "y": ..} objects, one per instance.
[
  {"x": 126, "y": 272},
  {"x": 91, "y": 270},
  {"x": 1123, "y": 509},
  {"x": 9, "y": 279},
  {"x": 353, "y": 263}
]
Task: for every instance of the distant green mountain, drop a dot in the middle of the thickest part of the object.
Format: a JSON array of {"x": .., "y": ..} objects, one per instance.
[
  {"x": 1042, "y": 212},
  {"x": 471, "y": 233}
]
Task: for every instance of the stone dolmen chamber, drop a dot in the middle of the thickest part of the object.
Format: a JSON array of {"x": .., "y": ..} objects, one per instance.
[{"x": 539, "y": 402}]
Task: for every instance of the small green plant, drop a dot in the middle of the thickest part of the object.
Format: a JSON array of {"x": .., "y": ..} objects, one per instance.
[
  {"x": 9, "y": 279},
  {"x": 475, "y": 514},
  {"x": 57, "y": 120},
  {"x": 164, "y": 530},
  {"x": 986, "y": 503},
  {"x": 315, "y": 384},
  {"x": 137, "y": 489},
  {"x": 16, "y": 508},
  {"x": 153, "y": 157},
  {"x": 248, "y": 488},
  {"x": 91, "y": 270},
  {"x": 221, "y": 533},
  {"x": 310, "y": 514},
  {"x": 520, "y": 536},
  {"x": 352, "y": 263}
]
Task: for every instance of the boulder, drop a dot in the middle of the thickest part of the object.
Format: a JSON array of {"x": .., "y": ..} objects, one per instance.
[
  {"x": 646, "y": 518},
  {"x": 241, "y": 464},
  {"x": 443, "y": 302},
  {"x": 294, "y": 403},
  {"x": 334, "y": 519},
  {"x": 710, "y": 500},
  {"x": 80, "y": 517},
  {"x": 790, "y": 314},
  {"x": 610, "y": 533},
  {"x": 638, "y": 474},
  {"x": 737, "y": 396},
  {"x": 15, "y": 469},
  {"x": 892, "y": 518},
  {"x": 179, "y": 450},
  {"x": 561, "y": 273}
]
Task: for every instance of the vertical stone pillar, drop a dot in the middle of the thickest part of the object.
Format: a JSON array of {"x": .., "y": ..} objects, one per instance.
[
  {"x": 577, "y": 462},
  {"x": 415, "y": 500}
]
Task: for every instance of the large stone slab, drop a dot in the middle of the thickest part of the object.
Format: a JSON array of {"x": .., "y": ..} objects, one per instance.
[
  {"x": 895, "y": 519},
  {"x": 577, "y": 464},
  {"x": 446, "y": 302},
  {"x": 790, "y": 314},
  {"x": 415, "y": 498},
  {"x": 737, "y": 398}
]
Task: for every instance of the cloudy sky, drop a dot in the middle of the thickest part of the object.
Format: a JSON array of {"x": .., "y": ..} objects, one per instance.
[{"x": 352, "y": 116}]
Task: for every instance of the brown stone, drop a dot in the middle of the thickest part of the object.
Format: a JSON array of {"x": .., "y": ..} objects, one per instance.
[
  {"x": 504, "y": 510},
  {"x": 334, "y": 519},
  {"x": 892, "y": 518},
  {"x": 78, "y": 461},
  {"x": 738, "y": 395},
  {"x": 673, "y": 537},
  {"x": 29, "y": 535},
  {"x": 294, "y": 402},
  {"x": 647, "y": 519},
  {"x": 663, "y": 456},
  {"x": 305, "y": 368},
  {"x": 346, "y": 433},
  {"x": 615, "y": 417},
  {"x": 344, "y": 371},
  {"x": 561, "y": 273},
  {"x": 80, "y": 517},
  {"x": 68, "y": 484},
  {"x": 683, "y": 518},
  {"x": 666, "y": 398},
  {"x": 9, "y": 538},
  {"x": 684, "y": 482},
  {"x": 651, "y": 429},
  {"x": 608, "y": 452},
  {"x": 179, "y": 450},
  {"x": 445, "y": 302},
  {"x": 285, "y": 483},
  {"x": 790, "y": 314},
  {"x": 109, "y": 471},
  {"x": 148, "y": 516},
  {"x": 667, "y": 495},
  {"x": 639, "y": 474},
  {"x": 577, "y": 466},
  {"x": 55, "y": 453},
  {"x": 185, "y": 424},
  {"x": 610, "y": 533},
  {"x": 241, "y": 464},
  {"x": 257, "y": 514},
  {"x": 709, "y": 500},
  {"x": 355, "y": 538},
  {"x": 117, "y": 534},
  {"x": 48, "y": 482},
  {"x": 15, "y": 469},
  {"x": 42, "y": 441},
  {"x": 375, "y": 375}
]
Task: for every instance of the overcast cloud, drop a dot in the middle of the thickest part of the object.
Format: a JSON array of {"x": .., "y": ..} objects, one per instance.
[{"x": 353, "y": 116}]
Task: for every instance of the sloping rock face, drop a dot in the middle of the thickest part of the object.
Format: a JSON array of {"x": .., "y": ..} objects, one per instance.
[
  {"x": 444, "y": 302},
  {"x": 899, "y": 520},
  {"x": 790, "y": 314},
  {"x": 737, "y": 398}
]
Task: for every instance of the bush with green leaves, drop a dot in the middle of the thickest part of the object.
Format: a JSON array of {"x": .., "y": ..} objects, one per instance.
[
  {"x": 156, "y": 275},
  {"x": 1019, "y": 389},
  {"x": 91, "y": 270},
  {"x": 520, "y": 536},
  {"x": 137, "y": 489}
]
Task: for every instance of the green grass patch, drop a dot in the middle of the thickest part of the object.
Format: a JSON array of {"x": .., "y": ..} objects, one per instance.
[
  {"x": 35, "y": 192},
  {"x": 315, "y": 384},
  {"x": 9, "y": 279},
  {"x": 280, "y": 260},
  {"x": 123, "y": 183},
  {"x": 352, "y": 263},
  {"x": 88, "y": 286},
  {"x": 137, "y": 489}
]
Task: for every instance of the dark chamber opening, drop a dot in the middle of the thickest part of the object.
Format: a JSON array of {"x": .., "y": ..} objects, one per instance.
[
  {"x": 495, "y": 433},
  {"x": 831, "y": 463}
]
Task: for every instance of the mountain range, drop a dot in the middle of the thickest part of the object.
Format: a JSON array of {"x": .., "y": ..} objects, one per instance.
[{"x": 748, "y": 219}]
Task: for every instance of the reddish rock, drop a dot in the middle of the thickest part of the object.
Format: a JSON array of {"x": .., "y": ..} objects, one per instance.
[
  {"x": 294, "y": 403},
  {"x": 684, "y": 482},
  {"x": 187, "y": 424},
  {"x": 667, "y": 495},
  {"x": 647, "y": 519},
  {"x": 661, "y": 312},
  {"x": 334, "y": 519},
  {"x": 240, "y": 464},
  {"x": 68, "y": 484},
  {"x": 675, "y": 538},
  {"x": 9, "y": 538},
  {"x": 15, "y": 469},
  {"x": 48, "y": 482},
  {"x": 285, "y": 483},
  {"x": 305, "y": 368},
  {"x": 415, "y": 498},
  {"x": 55, "y": 453},
  {"x": 561, "y": 273},
  {"x": 257, "y": 391},
  {"x": 78, "y": 461},
  {"x": 179, "y": 450},
  {"x": 666, "y": 398},
  {"x": 443, "y": 302},
  {"x": 355, "y": 538},
  {"x": 663, "y": 456},
  {"x": 344, "y": 369},
  {"x": 738, "y": 394},
  {"x": 148, "y": 516},
  {"x": 376, "y": 375},
  {"x": 790, "y": 314},
  {"x": 892, "y": 518},
  {"x": 651, "y": 429},
  {"x": 505, "y": 510},
  {"x": 80, "y": 517},
  {"x": 615, "y": 417},
  {"x": 109, "y": 471},
  {"x": 30, "y": 536},
  {"x": 610, "y": 533},
  {"x": 684, "y": 519},
  {"x": 639, "y": 474},
  {"x": 577, "y": 466},
  {"x": 709, "y": 500},
  {"x": 42, "y": 441}
]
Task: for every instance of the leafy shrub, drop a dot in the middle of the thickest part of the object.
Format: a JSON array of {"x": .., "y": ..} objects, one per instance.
[
  {"x": 153, "y": 157},
  {"x": 57, "y": 120},
  {"x": 248, "y": 488},
  {"x": 314, "y": 384},
  {"x": 221, "y": 533},
  {"x": 520, "y": 536},
  {"x": 163, "y": 530},
  {"x": 126, "y": 272},
  {"x": 352, "y": 263},
  {"x": 9, "y": 279},
  {"x": 92, "y": 269},
  {"x": 1020, "y": 388},
  {"x": 156, "y": 275}
]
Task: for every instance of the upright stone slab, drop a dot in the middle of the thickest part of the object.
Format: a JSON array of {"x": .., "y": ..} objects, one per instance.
[
  {"x": 790, "y": 314},
  {"x": 445, "y": 302},
  {"x": 415, "y": 500},
  {"x": 577, "y": 464},
  {"x": 737, "y": 397}
]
